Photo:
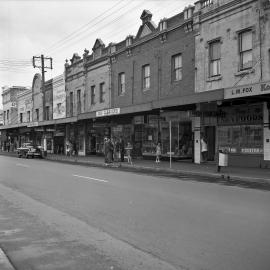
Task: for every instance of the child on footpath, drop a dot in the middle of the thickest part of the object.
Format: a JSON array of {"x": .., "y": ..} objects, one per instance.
[{"x": 158, "y": 153}]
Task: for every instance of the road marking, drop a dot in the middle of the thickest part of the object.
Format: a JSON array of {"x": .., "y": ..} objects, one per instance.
[
  {"x": 91, "y": 178},
  {"x": 9, "y": 232},
  {"x": 22, "y": 165}
]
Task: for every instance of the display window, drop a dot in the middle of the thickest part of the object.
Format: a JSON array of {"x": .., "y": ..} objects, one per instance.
[
  {"x": 149, "y": 139},
  {"x": 181, "y": 139},
  {"x": 240, "y": 131},
  {"x": 241, "y": 139}
]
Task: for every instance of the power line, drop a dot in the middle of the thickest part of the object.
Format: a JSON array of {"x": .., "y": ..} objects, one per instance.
[
  {"x": 77, "y": 32},
  {"x": 128, "y": 26},
  {"x": 110, "y": 22}
]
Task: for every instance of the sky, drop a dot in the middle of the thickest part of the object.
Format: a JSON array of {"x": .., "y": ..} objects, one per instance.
[{"x": 60, "y": 28}]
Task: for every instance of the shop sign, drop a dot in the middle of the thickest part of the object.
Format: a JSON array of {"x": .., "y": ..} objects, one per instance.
[
  {"x": 97, "y": 125},
  {"x": 108, "y": 112},
  {"x": 117, "y": 129},
  {"x": 59, "y": 134},
  {"x": 247, "y": 90},
  {"x": 39, "y": 129},
  {"x": 242, "y": 115},
  {"x": 218, "y": 113},
  {"x": 13, "y": 105},
  {"x": 251, "y": 150},
  {"x": 138, "y": 119},
  {"x": 32, "y": 124},
  {"x": 50, "y": 129},
  {"x": 177, "y": 116}
]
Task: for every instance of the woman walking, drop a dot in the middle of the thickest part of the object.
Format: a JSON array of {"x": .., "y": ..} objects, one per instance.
[{"x": 158, "y": 153}]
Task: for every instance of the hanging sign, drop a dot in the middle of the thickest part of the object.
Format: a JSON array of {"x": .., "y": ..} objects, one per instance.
[
  {"x": 177, "y": 116},
  {"x": 108, "y": 112}
]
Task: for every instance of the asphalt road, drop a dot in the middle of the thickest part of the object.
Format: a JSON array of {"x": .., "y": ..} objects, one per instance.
[{"x": 98, "y": 218}]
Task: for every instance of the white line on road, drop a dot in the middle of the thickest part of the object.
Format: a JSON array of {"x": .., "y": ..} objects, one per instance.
[
  {"x": 22, "y": 165},
  {"x": 90, "y": 178}
]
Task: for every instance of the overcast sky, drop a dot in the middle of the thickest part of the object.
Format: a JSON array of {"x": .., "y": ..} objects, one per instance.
[{"x": 59, "y": 28}]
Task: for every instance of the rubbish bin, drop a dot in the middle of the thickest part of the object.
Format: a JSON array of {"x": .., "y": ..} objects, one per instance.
[{"x": 222, "y": 159}]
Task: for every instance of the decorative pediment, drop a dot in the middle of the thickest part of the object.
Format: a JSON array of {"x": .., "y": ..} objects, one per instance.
[
  {"x": 99, "y": 43},
  {"x": 148, "y": 26},
  {"x": 145, "y": 31},
  {"x": 75, "y": 58}
]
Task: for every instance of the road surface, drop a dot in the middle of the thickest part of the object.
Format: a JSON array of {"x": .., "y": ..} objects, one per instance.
[{"x": 59, "y": 216}]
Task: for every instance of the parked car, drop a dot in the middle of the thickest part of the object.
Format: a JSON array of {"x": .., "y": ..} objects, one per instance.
[{"x": 27, "y": 150}]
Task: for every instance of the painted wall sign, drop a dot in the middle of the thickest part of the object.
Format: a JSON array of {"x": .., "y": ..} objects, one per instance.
[
  {"x": 108, "y": 112},
  {"x": 247, "y": 90},
  {"x": 59, "y": 97},
  {"x": 251, "y": 114}
]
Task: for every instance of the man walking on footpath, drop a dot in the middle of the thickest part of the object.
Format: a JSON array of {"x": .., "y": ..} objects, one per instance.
[{"x": 204, "y": 148}]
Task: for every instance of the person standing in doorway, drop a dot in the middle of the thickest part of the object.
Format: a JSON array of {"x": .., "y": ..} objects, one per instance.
[{"x": 204, "y": 148}]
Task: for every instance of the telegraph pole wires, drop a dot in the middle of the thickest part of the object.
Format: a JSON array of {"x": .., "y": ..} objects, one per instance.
[{"x": 41, "y": 59}]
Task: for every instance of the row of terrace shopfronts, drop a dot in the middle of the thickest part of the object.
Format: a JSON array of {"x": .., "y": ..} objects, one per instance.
[
  {"x": 239, "y": 128},
  {"x": 239, "y": 125}
]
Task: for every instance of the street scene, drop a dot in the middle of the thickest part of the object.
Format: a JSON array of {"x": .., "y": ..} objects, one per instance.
[{"x": 135, "y": 135}]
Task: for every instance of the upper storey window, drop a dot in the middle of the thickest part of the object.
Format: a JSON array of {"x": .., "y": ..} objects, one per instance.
[
  {"x": 121, "y": 83},
  {"x": 245, "y": 49},
  {"x": 146, "y": 76},
  {"x": 177, "y": 67},
  {"x": 214, "y": 58}
]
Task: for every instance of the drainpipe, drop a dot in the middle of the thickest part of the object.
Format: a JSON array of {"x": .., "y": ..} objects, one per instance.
[{"x": 260, "y": 40}]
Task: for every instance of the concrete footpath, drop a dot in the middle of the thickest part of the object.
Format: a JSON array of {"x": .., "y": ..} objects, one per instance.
[{"x": 181, "y": 167}]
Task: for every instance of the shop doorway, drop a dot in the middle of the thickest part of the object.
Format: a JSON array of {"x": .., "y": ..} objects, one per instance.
[
  {"x": 59, "y": 145},
  {"x": 210, "y": 134},
  {"x": 93, "y": 144}
]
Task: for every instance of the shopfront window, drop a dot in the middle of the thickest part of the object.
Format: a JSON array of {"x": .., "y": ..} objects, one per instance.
[
  {"x": 150, "y": 139},
  {"x": 241, "y": 129},
  {"x": 181, "y": 139},
  {"x": 245, "y": 139}
]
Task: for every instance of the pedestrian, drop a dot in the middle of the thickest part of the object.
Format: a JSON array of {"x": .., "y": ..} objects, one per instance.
[
  {"x": 117, "y": 154},
  {"x": 68, "y": 149},
  {"x": 122, "y": 149},
  {"x": 106, "y": 150},
  {"x": 110, "y": 152},
  {"x": 158, "y": 153},
  {"x": 128, "y": 151},
  {"x": 204, "y": 149},
  {"x": 8, "y": 146}
]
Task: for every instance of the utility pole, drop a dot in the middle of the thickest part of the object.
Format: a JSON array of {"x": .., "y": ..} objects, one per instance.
[{"x": 41, "y": 59}]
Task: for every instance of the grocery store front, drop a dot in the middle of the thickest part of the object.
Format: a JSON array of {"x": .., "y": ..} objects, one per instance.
[
  {"x": 244, "y": 130},
  {"x": 240, "y": 133}
]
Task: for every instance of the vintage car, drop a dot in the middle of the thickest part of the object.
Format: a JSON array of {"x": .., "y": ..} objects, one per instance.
[{"x": 27, "y": 150}]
